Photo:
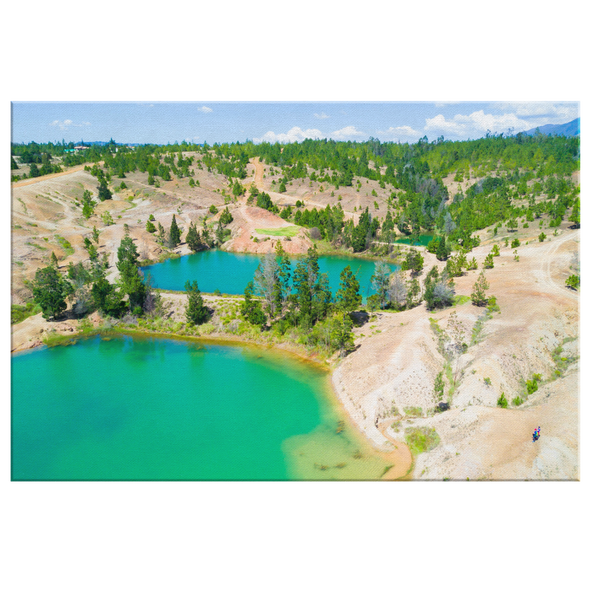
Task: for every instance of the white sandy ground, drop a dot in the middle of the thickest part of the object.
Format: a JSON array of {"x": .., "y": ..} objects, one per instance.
[{"x": 397, "y": 365}]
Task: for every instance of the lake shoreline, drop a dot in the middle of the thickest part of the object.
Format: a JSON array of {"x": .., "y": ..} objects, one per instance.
[{"x": 71, "y": 335}]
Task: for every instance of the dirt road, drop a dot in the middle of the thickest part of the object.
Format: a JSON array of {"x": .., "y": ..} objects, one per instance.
[{"x": 29, "y": 181}]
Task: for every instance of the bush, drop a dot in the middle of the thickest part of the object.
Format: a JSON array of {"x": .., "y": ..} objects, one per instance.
[
  {"x": 531, "y": 386},
  {"x": 515, "y": 243},
  {"x": 502, "y": 401},
  {"x": 517, "y": 401},
  {"x": 421, "y": 440},
  {"x": 542, "y": 237}
]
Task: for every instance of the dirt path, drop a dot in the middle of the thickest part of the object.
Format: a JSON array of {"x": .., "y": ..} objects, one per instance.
[
  {"x": 48, "y": 176},
  {"x": 259, "y": 172}
]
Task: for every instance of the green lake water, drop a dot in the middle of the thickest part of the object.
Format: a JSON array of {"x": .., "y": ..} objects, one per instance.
[
  {"x": 230, "y": 272},
  {"x": 423, "y": 240},
  {"x": 125, "y": 408}
]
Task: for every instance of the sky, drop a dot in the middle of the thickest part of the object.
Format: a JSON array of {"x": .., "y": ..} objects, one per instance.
[{"x": 170, "y": 122}]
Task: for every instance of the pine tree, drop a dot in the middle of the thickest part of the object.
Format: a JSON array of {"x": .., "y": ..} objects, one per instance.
[
  {"x": 489, "y": 261},
  {"x": 174, "y": 234},
  {"x": 87, "y": 204},
  {"x": 251, "y": 309},
  {"x": 348, "y": 296},
  {"x": 104, "y": 193},
  {"x": 196, "y": 312},
  {"x": 130, "y": 276},
  {"x": 442, "y": 251},
  {"x": 478, "y": 295},
  {"x": 226, "y": 217},
  {"x": 150, "y": 227},
  {"x": 50, "y": 290},
  {"x": 193, "y": 238}
]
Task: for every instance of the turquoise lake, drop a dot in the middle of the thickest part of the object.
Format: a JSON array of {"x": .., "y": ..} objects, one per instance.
[
  {"x": 230, "y": 272},
  {"x": 125, "y": 408},
  {"x": 423, "y": 240}
]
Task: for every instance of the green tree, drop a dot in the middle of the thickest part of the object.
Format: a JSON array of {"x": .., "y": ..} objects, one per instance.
[
  {"x": 575, "y": 215},
  {"x": 50, "y": 290},
  {"x": 573, "y": 282},
  {"x": 542, "y": 237},
  {"x": 130, "y": 277},
  {"x": 348, "y": 296},
  {"x": 251, "y": 309},
  {"x": 106, "y": 298},
  {"x": 104, "y": 194},
  {"x": 489, "y": 261},
  {"x": 88, "y": 204},
  {"x": 341, "y": 336},
  {"x": 442, "y": 250},
  {"x": 150, "y": 227},
  {"x": 95, "y": 234},
  {"x": 478, "y": 295},
  {"x": 174, "y": 234},
  {"x": 196, "y": 312},
  {"x": 193, "y": 238},
  {"x": 282, "y": 187},
  {"x": 502, "y": 401},
  {"x": 511, "y": 225},
  {"x": 413, "y": 262},
  {"x": 226, "y": 217}
]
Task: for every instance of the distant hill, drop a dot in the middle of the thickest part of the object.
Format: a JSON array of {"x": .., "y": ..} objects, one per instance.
[{"x": 568, "y": 129}]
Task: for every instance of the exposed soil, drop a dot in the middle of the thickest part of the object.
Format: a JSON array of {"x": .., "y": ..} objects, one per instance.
[{"x": 397, "y": 362}]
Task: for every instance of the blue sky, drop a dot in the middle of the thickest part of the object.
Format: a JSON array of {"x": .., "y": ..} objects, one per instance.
[{"x": 168, "y": 122}]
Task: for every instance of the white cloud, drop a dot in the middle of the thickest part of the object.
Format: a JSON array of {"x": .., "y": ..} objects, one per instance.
[
  {"x": 346, "y": 132},
  {"x": 400, "y": 133},
  {"x": 476, "y": 124},
  {"x": 563, "y": 112},
  {"x": 67, "y": 123},
  {"x": 294, "y": 134},
  {"x": 205, "y": 109},
  {"x": 439, "y": 123},
  {"x": 440, "y": 105},
  {"x": 321, "y": 115}
]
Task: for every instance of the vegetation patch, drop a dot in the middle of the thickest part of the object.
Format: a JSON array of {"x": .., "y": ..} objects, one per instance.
[
  {"x": 422, "y": 439},
  {"x": 19, "y": 313},
  {"x": 290, "y": 231},
  {"x": 67, "y": 247}
]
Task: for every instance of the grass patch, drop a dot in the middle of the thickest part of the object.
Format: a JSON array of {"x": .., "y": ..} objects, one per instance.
[
  {"x": 421, "y": 440},
  {"x": 461, "y": 300},
  {"x": 67, "y": 247},
  {"x": 290, "y": 232},
  {"x": 19, "y": 313},
  {"x": 413, "y": 412},
  {"x": 36, "y": 246}
]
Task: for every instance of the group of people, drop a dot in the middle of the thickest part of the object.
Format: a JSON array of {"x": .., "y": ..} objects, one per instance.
[{"x": 536, "y": 434}]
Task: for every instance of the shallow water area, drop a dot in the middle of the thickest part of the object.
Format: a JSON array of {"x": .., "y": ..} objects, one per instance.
[{"x": 158, "y": 409}]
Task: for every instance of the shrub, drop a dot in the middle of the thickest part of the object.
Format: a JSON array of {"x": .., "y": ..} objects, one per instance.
[
  {"x": 515, "y": 243},
  {"x": 531, "y": 386},
  {"x": 517, "y": 401},
  {"x": 421, "y": 440},
  {"x": 542, "y": 237},
  {"x": 502, "y": 401},
  {"x": 573, "y": 282}
]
